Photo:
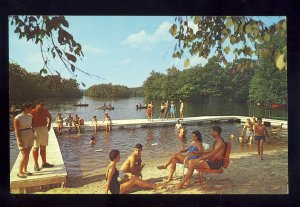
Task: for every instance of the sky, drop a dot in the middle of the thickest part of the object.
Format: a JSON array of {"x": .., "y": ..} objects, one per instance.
[{"x": 121, "y": 50}]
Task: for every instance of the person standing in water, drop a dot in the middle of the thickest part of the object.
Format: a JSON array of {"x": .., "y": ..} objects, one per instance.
[{"x": 261, "y": 133}]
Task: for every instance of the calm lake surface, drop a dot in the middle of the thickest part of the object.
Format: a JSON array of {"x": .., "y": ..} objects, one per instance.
[{"x": 82, "y": 160}]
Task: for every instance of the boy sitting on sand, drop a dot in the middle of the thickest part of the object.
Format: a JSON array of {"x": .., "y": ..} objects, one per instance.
[{"x": 134, "y": 164}]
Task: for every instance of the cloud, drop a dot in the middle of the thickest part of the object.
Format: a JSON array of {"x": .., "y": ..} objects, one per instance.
[
  {"x": 92, "y": 50},
  {"x": 160, "y": 34}
]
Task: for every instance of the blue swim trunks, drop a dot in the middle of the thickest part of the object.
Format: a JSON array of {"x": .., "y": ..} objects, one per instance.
[{"x": 259, "y": 137}]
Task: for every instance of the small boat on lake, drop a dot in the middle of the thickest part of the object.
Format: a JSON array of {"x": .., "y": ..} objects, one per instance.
[
  {"x": 81, "y": 104},
  {"x": 104, "y": 107},
  {"x": 140, "y": 107}
]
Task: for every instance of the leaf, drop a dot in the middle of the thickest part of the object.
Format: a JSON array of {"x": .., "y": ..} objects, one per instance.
[
  {"x": 83, "y": 84},
  {"x": 70, "y": 57},
  {"x": 229, "y": 22},
  {"x": 284, "y": 25},
  {"x": 43, "y": 71},
  {"x": 280, "y": 62},
  {"x": 232, "y": 39},
  {"x": 236, "y": 27},
  {"x": 248, "y": 28},
  {"x": 197, "y": 19},
  {"x": 72, "y": 67},
  {"x": 241, "y": 28},
  {"x": 255, "y": 32},
  {"x": 173, "y": 30},
  {"x": 186, "y": 63},
  {"x": 57, "y": 72},
  {"x": 267, "y": 36},
  {"x": 65, "y": 22},
  {"x": 224, "y": 31},
  {"x": 227, "y": 50}
]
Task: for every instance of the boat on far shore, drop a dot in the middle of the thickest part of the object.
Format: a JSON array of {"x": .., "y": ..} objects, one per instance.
[
  {"x": 275, "y": 106},
  {"x": 140, "y": 107},
  {"x": 104, "y": 107},
  {"x": 81, "y": 104}
]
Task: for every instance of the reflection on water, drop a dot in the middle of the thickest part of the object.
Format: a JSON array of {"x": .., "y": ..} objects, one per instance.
[{"x": 81, "y": 159}]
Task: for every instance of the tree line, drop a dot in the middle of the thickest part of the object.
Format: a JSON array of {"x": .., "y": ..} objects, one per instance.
[
  {"x": 242, "y": 80},
  {"x": 25, "y": 85},
  {"x": 108, "y": 91}
]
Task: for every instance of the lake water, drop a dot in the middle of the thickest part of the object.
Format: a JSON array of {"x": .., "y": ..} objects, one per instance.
[{"x": 82, "y": 160}]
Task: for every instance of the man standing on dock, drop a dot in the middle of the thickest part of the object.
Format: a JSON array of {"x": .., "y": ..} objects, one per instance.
[
  {"x": 41, "y": 124},
  {"x": 181, "y": 110}
]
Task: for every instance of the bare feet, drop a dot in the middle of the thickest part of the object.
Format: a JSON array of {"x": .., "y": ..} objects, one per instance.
[
  {"x": 178, "y": 186},
  {"x": 168, "y": 180},
  {"x": 161, "y": 167},
  {"x": 159, "y": 187}
]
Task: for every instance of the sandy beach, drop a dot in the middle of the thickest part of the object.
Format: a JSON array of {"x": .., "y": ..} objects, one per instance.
[{"x": 246, "y": 174}]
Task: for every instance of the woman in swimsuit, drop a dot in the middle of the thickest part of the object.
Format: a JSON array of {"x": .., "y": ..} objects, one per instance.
[
  {"x": 120, "y": 187},
  {"x": 195, "y": 145},
  {"x": 107, "y": 122},
  {"x": 172, "y": 110}
]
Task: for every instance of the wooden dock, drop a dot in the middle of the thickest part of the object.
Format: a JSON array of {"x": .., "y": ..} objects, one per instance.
[
  {"x": 47, "y": 177},
  {"x": 56, "y": 176},
  {"x": 144, "y": 123}
]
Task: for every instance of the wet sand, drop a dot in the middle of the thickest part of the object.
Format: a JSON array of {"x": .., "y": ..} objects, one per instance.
[{"x": 246, "y": 174}]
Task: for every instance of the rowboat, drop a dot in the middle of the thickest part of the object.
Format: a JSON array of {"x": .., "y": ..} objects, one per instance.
[
  {"x": 81, "y": 104},
  {"x": 140, "y": 107},
  {"x": 105, "y": 107}
]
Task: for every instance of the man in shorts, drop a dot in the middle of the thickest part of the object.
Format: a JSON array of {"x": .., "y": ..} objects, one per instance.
[
  {"x": 206, "y": 161},
  {"x": 41, "y": 124},
  {"x": 261, "y": 133}
]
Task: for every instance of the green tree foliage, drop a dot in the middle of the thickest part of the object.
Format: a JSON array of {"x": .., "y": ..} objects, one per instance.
[
  {"x": 201, "y": 83},
  {"x": 27, "y": 86},
  {"x": 269, "y": 85},
  {"x": 156, "y": 86},
  {"x": 238, "y": 76},
  {"x": 108, "y": 91},
  {"x": 224, "y": 34}
]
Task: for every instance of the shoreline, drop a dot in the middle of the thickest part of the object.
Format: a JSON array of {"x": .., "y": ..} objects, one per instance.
[{"x": 248, "y": 174}]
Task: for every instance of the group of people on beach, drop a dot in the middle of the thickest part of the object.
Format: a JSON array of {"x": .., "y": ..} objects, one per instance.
[
  {"x": 167, "y": 110},
  {"x": 257, "y": 130},
  {"x": 195, "y": 157},
  {"x": 31, "y": 129},
  {"x": 76, "y": 121}
]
